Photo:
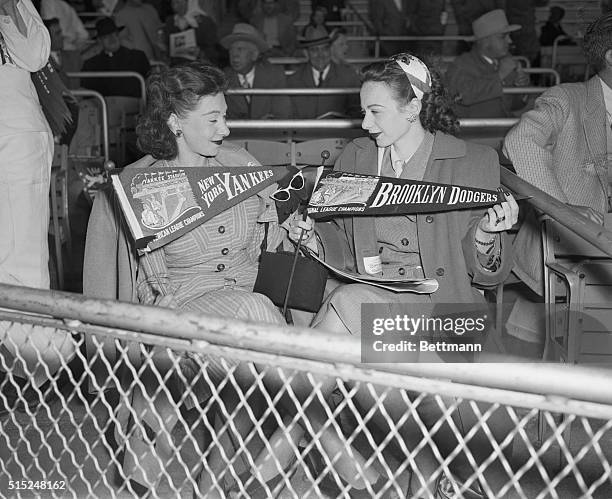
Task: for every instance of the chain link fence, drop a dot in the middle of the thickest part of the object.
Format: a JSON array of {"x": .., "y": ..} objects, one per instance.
[{"x": 108, "y": 399}]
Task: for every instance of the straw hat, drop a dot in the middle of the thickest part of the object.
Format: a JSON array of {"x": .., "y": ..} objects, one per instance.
[
  {"x": 245, "y": 33},
  {"x": 492, "y": 23}
]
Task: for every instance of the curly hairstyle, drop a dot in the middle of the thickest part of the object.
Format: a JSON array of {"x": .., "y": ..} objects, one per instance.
[
  {"x": 436, "y": 112},
  {"x": 174, "y": 90},
  {"x": 597, "y": 41}
]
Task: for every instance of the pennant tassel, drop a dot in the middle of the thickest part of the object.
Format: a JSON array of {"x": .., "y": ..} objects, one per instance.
[{"x": 51, "y": 90}]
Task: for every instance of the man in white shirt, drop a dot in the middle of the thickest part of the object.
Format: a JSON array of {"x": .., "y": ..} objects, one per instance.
[
  {"x": 26, "y": 151},
  {"x": 26, "y": 147}
]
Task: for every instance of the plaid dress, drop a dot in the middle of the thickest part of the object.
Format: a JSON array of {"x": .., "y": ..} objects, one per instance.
[{"x": 212, "y": 269}]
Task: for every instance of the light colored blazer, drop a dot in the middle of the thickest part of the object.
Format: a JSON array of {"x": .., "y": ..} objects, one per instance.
[
  {"x": 560, "y": 147},
  {"x": 446, "y": 240}
]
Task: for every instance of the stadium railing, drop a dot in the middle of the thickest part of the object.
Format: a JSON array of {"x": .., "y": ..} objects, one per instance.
[{"x": 63, "y": 444}]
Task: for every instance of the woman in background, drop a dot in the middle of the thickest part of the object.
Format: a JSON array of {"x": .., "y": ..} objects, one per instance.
[
  {"x": 316, "y": 27},
  {"x": 339, "y": 46},
  {"x": 188, "y": 16}
]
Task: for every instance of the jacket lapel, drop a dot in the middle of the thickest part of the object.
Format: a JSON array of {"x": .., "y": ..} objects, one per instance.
[
  {"x": 444, "y": 147},
  {"x": 594, "y": 123}
]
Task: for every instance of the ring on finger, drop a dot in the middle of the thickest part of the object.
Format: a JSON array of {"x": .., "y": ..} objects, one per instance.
[{"x": 500, "y": 219}]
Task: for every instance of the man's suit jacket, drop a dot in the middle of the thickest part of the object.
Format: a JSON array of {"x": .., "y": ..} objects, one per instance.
[
  {"x": 477, "y": 88},
  {"x": 387, "y": 19},
  {"x": 311, "y": 106},
  {"x": 287, "y": 35},
  {"x": 124, "y": 59},
  {"x": 425, "y": 17},
  {"x": 266, "y": 76},
  {"x": 560, "y": 147}
]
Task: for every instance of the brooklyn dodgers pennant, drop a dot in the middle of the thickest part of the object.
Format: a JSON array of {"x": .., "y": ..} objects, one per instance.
[{"x": 340, "y": 193}]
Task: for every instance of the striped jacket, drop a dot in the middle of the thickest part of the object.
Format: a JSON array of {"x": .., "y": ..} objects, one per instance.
[{"x": 560, "y": 147}]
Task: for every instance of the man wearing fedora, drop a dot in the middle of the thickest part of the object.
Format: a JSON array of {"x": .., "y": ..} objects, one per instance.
[
  {"x": 322, "y": 72},
  {"x": 115, "y": 57},
  {"x": 247, "y": 69},
  {"x": 476, "y": 78}
]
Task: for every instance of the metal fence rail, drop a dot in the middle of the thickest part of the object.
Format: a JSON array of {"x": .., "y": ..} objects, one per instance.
[
  {"x": 345, "y": 90},
  {"x": 183, "y": 402}
]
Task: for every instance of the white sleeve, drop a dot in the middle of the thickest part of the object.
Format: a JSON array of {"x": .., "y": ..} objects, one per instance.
[
  {"x": 74, "y": 31},
  {"x": 30, "y": 52}
]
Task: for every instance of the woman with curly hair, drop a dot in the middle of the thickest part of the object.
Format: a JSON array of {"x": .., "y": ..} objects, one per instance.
[
  {"x": 210, "y": 270},
  {"x": 411, "y": 126}
]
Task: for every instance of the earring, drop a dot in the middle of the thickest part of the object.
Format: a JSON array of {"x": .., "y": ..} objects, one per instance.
[
  {"x": 179, "y": 133},
  {"x": 412, "y": 118}
]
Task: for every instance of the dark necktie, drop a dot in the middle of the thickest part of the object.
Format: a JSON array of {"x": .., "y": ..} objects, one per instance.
[
  {"x": 319, "y": 78},
  {"x": 245, "y": 84}
]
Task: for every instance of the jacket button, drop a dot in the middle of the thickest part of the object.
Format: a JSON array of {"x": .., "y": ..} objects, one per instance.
[
  {"x": 221, "y": 229},
  {"x": 440, "y": 271},
  {"x": 224, "y": 251},
  {"x": 380, "y": 250},
  {"x": 220, "y": 267},
  {"x": 401, "y": 271},
  {"x": 429, "y": 219},
  {"x": 405, "y": 242}
]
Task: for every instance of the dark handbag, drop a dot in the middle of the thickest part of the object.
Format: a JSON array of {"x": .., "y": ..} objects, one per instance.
[{"x": 274, "y": 277}]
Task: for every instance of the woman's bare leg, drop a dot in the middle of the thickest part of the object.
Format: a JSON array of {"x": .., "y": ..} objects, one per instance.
[
  {"x": 349, "y": 463},
  {"x": 445, "y": 438},
  {"x": 212, "y": 476}
]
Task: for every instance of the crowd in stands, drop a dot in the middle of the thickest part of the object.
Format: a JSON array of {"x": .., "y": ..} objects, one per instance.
[
  {"x": 138, "y": 35},
  {"x": 409, "y": 112}
]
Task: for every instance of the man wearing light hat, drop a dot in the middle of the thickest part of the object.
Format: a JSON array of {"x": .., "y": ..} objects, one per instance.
[
  {"x": 322, "y": 72},
  {"x": 248, "y": 70},
  {"x": 476, "y": 78}
]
